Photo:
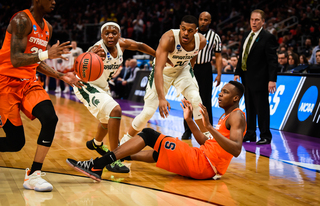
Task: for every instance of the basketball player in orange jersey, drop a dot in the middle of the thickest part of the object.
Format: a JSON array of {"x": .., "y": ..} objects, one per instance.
[
  {"x": 96, "y": 96},
  {"x": 211, "y": 160},
  {"x": 22, "y": 54}
]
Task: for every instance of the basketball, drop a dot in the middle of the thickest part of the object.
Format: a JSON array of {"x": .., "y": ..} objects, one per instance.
[{"x": 88, "y": 66}]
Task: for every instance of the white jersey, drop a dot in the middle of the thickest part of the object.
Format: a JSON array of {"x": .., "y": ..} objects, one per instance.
[
  {"x": 110, "y": 66},
  {"x": 180, "y": 57},
  {"x": 51, "y": 63},
  {"x": 74, "y": 53}
]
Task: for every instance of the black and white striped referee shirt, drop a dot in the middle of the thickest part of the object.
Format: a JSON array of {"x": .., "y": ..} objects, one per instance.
[{"x": 213, "y": 45}]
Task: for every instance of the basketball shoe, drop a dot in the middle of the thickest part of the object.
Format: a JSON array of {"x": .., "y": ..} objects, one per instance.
[
  {"x": 117, "y": 167},
  {"x": 125, "y": 138},
  {"x": 87, "y": 168},
  {"x": 102, "y": 150},
  {"x": 35, "y": 181}
]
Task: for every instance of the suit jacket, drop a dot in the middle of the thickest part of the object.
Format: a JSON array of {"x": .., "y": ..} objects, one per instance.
[{"x": 262, "y": 62}]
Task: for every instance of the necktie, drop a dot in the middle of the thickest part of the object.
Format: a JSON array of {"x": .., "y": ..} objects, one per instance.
[{"x": 246, "y": 53}]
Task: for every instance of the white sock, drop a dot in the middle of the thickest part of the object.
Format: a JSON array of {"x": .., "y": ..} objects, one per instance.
[
  {"x": 97, "y": 142},
  {"x": 128, "y": 135}
]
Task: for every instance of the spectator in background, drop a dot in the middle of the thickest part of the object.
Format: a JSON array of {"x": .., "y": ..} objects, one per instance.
[
  {"x": 313, "y": 56},
  {"x": 303, "y": 60},
  {"x": 138, "y": 26},
  {"x": 59, "y": 68},
  {"x": 315, "y": 68},
  {"x": 234, "y": 61},
  {"x": 116, "y": 82},
  {"x": 227, "y": 67},
  {"x": 307, "y": 49},
  {"x": 213, "y": 64},
  {"x": 293, "y": 60},
  {"x": 127, "y": 81},
  {"x": 283, "y": 61}
]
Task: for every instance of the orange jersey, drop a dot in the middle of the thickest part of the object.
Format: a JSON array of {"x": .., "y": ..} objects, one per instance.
[
  {"x": 37, "y": 42},
  {"x": 178, "y": 157},
  {"x": 214, "y": 152}
]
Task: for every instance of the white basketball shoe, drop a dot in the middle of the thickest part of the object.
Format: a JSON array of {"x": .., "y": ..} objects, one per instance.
[{"x": 35, "y": 182}]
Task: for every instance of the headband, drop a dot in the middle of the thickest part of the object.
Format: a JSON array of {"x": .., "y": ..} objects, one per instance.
[{"x": 110, "y": 24}]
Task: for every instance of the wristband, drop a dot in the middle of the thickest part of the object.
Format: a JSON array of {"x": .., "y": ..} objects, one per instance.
[{"x": 43, "y": 55}]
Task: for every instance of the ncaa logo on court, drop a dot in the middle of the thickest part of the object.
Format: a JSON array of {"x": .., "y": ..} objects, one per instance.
[
  {"x": 144, "y": 81},
  {"x": 307, "y": 103}
]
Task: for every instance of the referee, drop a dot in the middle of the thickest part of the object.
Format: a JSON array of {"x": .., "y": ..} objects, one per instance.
[{"x": 203, "y": 69}]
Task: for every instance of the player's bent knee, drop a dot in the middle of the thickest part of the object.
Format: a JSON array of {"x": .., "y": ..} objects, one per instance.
[
  {"x": 116, "y": 112},
  {"x": 15, "y": 138},
  {"x": 141, "y": 120},
  {"x": 149, "y": 136}
]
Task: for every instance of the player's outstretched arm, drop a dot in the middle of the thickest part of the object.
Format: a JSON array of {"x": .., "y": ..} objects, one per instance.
[
  {"x": 162, "y": 51},
  {"x": 187, "y": 114},
  {"x": 69, "y": 77},
  {"x": 236, "y": 123},
  {"x": 129, "y": 44}
]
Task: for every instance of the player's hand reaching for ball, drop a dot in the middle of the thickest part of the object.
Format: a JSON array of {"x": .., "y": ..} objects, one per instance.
[
  {"x": 71, "y": 79},
  {"x": 58, "y": 49},
  {"x": 99, "y": 51},
  {"x": 205, "y": 116}
]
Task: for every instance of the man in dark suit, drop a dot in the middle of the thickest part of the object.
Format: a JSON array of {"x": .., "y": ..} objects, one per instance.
[{"x": 257, "y": 67}]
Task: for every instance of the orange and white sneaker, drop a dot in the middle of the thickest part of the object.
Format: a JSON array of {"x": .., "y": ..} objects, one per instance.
[{"x": 35, "y": 182}]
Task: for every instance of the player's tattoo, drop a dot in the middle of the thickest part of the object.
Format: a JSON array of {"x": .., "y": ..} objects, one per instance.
[
  {"x": 18, "y": 46},
  {"x": 45, "y": 69}
]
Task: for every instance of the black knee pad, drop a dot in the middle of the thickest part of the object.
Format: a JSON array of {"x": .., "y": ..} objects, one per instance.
[
  {"x": 149, "y": 136},
  {"x": 14, "y": 140},
  {"x": 44, "y": 111}
]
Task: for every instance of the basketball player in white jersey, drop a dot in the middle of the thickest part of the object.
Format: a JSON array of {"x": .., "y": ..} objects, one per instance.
[
  {"x": 96, "y": 95},
  {"x": 181, "y": 47}
]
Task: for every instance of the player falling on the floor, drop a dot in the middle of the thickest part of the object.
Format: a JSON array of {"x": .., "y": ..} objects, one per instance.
[
  {"x": 211, "y": 160},
  {"x": 96, "y": 96},
  {"x": 22, "y": 54},
  {"x": 181, "y": 47}
]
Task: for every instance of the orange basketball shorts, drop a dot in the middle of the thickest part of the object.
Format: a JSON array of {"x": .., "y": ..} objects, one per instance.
[
  {"x": 178, "y": 157},
  {"x": 17, "y": 94}
]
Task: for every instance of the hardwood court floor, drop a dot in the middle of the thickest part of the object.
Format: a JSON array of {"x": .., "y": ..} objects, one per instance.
[{"x": 250, "y": 179}]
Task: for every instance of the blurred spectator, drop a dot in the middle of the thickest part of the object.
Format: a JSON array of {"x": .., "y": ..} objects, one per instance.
[
  {"x": 307, "y": 49},
  {"x": 303, "y": 60},
  {"x": 138, "y": 26},
  {"x": 127, "y": 82},
  {"x": 315, "y": 68},
  {"x": 313, "y": 56},
  {"x": 270, "y": 28},
  {"x": 293, "y": 61},
  {"x": 234, "y": 60},
  {"x": 283, "y": 61},
  {"x": 213, "y": 64},
  {"x": 116, "y": 82}
]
